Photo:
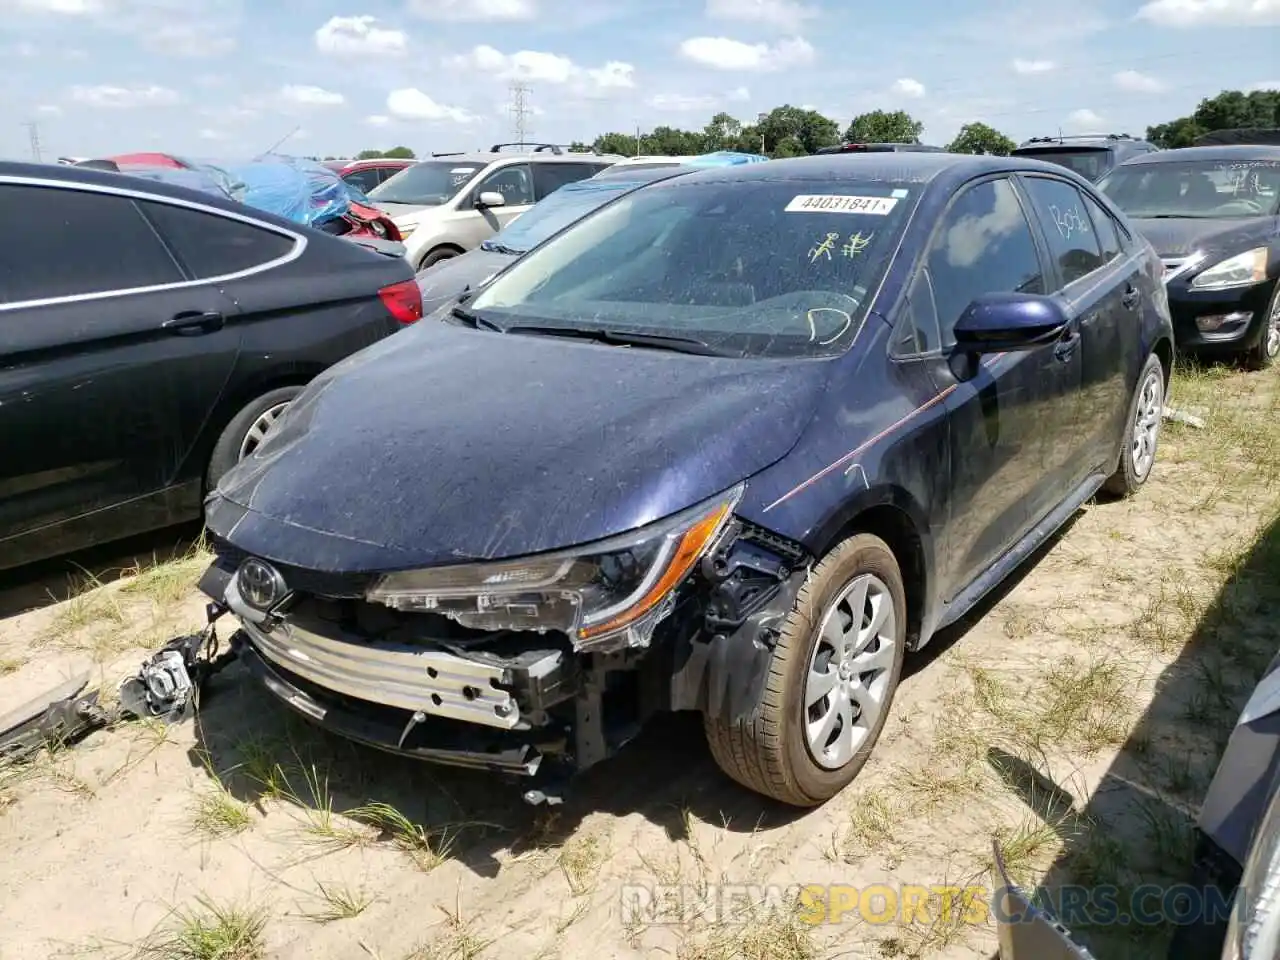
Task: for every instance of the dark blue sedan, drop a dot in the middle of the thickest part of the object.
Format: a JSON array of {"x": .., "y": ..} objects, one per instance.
[{"x": 734, "y": 443}]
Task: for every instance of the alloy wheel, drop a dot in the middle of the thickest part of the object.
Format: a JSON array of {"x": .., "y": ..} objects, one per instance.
[
  {"x": 847, "y": 684},
  {"x": 258, "y": 431},
  {"x": 1146, "y": 422}
]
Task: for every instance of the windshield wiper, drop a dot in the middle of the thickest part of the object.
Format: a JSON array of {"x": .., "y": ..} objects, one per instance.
[
  {"x": 624, "y": 338},
  {"x": 492, "y": 247},
  {"x": 474, "y": 320}
]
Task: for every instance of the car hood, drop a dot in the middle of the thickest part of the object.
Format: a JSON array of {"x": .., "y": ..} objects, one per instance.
[
  {"x": 404, "y": 211},
  {"x": 1178, "y": 238},
  {"x": 448, "y": 278},
  {"x": 443, "y": 444}
]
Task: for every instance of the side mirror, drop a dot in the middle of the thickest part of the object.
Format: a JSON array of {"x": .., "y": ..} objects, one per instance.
[
  {"x": 491, "y": 198},
  {"x": 1005, "y": 322}
]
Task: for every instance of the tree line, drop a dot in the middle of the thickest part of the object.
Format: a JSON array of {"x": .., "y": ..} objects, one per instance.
[{"x": 788, "y": 131}]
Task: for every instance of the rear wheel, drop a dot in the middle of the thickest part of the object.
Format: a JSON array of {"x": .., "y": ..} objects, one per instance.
[
  {"x": 1264, "y": 354},
  {"x": 247, "y": 430},
  {"x": 830, "y": 684},
  {"x": 1142, "y": 432}
]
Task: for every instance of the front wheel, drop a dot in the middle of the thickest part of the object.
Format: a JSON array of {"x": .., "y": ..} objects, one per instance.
[
  {"x": 434, "y": 257},
  {"x": 246, "y": 431},
  {"x": 831, "y": 681},
  {"x": 1141, "y": 432},
  {"x": 1264, "y": 354}
]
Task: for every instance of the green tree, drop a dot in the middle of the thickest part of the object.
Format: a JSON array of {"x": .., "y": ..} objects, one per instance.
[
  {"x": 880, "y": 126},
  {"x": 368, "y": 154},
  {"x": 789, "y": 131},
  {"x": 1228, "y": 110},
  {"x": 400, "y": 153},
  {"x": 723, "y": 133},
  {"x": 979, "y": 138},
  {"x": 619, "y": 143}
]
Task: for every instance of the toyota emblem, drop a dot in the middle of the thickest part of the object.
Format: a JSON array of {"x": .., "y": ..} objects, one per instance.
[{"x": 261, "y": 585}]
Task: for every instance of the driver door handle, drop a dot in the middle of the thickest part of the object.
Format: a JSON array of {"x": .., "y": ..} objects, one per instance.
[
  {"x": 1066, "y": 346},
  {"x": 193, "y": 323}
]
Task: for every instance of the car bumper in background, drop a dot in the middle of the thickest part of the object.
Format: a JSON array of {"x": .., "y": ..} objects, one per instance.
[
  {"x": 1219, "y": 321},
  {"x": 1026, "y": 932}
]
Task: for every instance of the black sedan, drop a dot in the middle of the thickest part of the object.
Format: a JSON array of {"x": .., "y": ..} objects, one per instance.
[
  {"x": 1213, "y": 215},
  {"x": 149, "y": 336}
]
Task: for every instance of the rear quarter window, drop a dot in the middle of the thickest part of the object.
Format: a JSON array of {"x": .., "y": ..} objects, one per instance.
[{"x": 214, "y": 246}]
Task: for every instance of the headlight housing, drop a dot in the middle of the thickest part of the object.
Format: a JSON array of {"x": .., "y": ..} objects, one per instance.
[
  {"x": 609, "y": 593},
  {"x": 1239, "y": 271}
]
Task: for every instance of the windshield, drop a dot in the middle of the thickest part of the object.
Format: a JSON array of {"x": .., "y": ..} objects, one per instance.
[
  {"x": 429, "y": 183},
  {"x": 1089, "y": 162},
  {"x": 1196, "y": 188},
  {"x": 762, "y": 268},
  {"x": 571, "y": 202}
]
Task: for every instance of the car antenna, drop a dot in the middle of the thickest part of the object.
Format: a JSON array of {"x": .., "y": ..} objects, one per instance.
[{"x": 272, "y": 149}]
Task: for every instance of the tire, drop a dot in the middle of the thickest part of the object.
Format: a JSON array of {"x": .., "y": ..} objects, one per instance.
[
  {"x": 237, "y": 435},
  {"x": 435, "y": 256},
  {"x": 1264, "y": 353},
  {"x": 1135, "y": 468},
  {"x": 771, "y": 753}
]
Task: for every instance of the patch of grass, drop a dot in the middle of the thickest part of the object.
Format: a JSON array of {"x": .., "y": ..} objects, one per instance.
[
  {"x": 10, "y": 665},
  {"x": 775, "y": 936},
  {"x": 166, "y": 582},
  {"x": 1028, "y": 848},
  {"x": 339, "y": 902},
  {"x": 219, "y": 814},
  {"x": 427, "y": 848},
  {"x": 873, "y": 821},
  {"x": 89, "y": 604},
  {"x": 208, "y": 931},
  {"x": 324, "y": 825},
  {"x": 580, "y": 861}
]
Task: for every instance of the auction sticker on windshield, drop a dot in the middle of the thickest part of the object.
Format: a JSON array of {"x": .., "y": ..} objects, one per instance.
[{"x": 836, "y": 203}]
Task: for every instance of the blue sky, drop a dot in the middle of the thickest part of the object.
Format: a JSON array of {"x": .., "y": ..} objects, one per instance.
[{"x": 229, "y": 77}]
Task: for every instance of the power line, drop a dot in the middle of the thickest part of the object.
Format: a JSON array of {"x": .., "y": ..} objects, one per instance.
[
  {"x": 520, "y": 111},
  {"x": 33, "y": 129}
]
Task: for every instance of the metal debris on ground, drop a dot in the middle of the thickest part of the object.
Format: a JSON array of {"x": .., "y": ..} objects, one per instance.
[{"x": 1181, "y": 416}]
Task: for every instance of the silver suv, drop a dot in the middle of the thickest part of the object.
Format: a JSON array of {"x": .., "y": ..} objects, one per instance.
[{"x": 453, "y": 202}]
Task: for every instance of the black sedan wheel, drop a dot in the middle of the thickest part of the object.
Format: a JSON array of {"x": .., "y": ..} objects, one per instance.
[
  {"x": 1268, "y": 348},
  {"x": 831, "y": 681},
  {"x": 246, "y": 431}
]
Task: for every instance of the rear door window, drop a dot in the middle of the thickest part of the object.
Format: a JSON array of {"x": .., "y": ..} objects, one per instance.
[
  {"x": 1106, "y": 228},
  {"x": 213, "y": 246},
  {"x": 1067, "y": 227},
  {"x": 983, "y": 245},
  {"x": 364, "y": 180},
  {"x": 550, "y": 177},
  {"x": 63, "y": 243}
]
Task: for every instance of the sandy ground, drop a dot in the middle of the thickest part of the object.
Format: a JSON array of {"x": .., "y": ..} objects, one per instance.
[{"x": 1075, "y": 720}]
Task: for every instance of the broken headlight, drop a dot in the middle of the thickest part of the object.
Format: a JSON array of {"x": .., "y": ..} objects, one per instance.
[{"x": 599, "y": 593}]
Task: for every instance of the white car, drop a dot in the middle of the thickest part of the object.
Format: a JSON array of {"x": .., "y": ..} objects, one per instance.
[{"x": 451, "y": 203}]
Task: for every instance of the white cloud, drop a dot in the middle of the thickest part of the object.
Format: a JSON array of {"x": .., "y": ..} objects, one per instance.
[
  {"x": 360, "y": 36},
  {"x": 308, "y": 96},
  {"x": 721, "y": 53},
  {"x": 1135, "y": 82},
  {"x": 908, "y": 87},
  {"x": 231, "y": 114},
  {"x": 1211, "y": 13},
  {"x": 784, "y": 14},
  {"x": 1027, "y": 67},
  {"x": 208, "y": 133},
  {"x": 681, "y": 102},
  {"x": 67, "y": 7},
  {"x": 535, "y": 66},
  {"x": 190, "y": 40},
  {"x": 739, "y": 94},
  {"x": 1084, "y": 120},
  {"x": 412, "y": 104},
  {"x": 113, "y": 97},
  {"x": 377, "y": 120},
  {"x": 1265, "y": 85},
  {"x": 473, "y": 10},
  {"x": 49, "y": 110}
]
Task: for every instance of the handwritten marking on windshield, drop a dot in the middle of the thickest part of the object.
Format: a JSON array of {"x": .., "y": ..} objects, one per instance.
[
  {"x": 839, "y": 203},
  {"x": 1069, "y": 222},
  {"x": 823, "y": 248},
  {"x": 813, "y": 326},
  {"x": 857, "y": 243}
]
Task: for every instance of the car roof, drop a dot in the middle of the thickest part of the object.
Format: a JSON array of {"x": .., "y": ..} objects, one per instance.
[
  {"x": 87, "y": 176},
  {"x": 524, "y": 156},
  {"x": 1249, "y": 151},
  {"x": 1083, "y": 140},
  {"x": 906, "y": 166}
]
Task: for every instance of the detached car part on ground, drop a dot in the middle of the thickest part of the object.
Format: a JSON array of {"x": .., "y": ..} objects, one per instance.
[
  {"x": 733, "y": 443},
  {"x": 133, "y": 377},
  {"x": 1213, "y": 215}
]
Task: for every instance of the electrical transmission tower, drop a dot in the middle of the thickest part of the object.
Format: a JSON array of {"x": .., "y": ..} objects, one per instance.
[
  {"x": 33, "y": 129},
  {"x": 520, "y": 111}
]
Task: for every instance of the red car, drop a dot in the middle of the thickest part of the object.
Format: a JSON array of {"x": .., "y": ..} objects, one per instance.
[{"x": 364, "y": 175}]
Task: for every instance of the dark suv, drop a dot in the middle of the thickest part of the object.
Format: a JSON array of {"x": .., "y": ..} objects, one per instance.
[{"x": 1091, "y": 156}]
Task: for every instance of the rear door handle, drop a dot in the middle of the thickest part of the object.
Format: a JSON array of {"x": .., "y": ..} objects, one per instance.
[
  {"x": 1130, "y": 298},
  {"x": 194, "y": 323}
]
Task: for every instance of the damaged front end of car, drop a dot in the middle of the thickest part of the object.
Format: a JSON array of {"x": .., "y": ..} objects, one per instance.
[{"x": 537, "y": 667}]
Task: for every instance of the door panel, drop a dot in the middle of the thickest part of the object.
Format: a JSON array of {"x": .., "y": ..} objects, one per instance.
[
  {"x": 1006, "y": 415},
  {"x": 99, "y": 400}
]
